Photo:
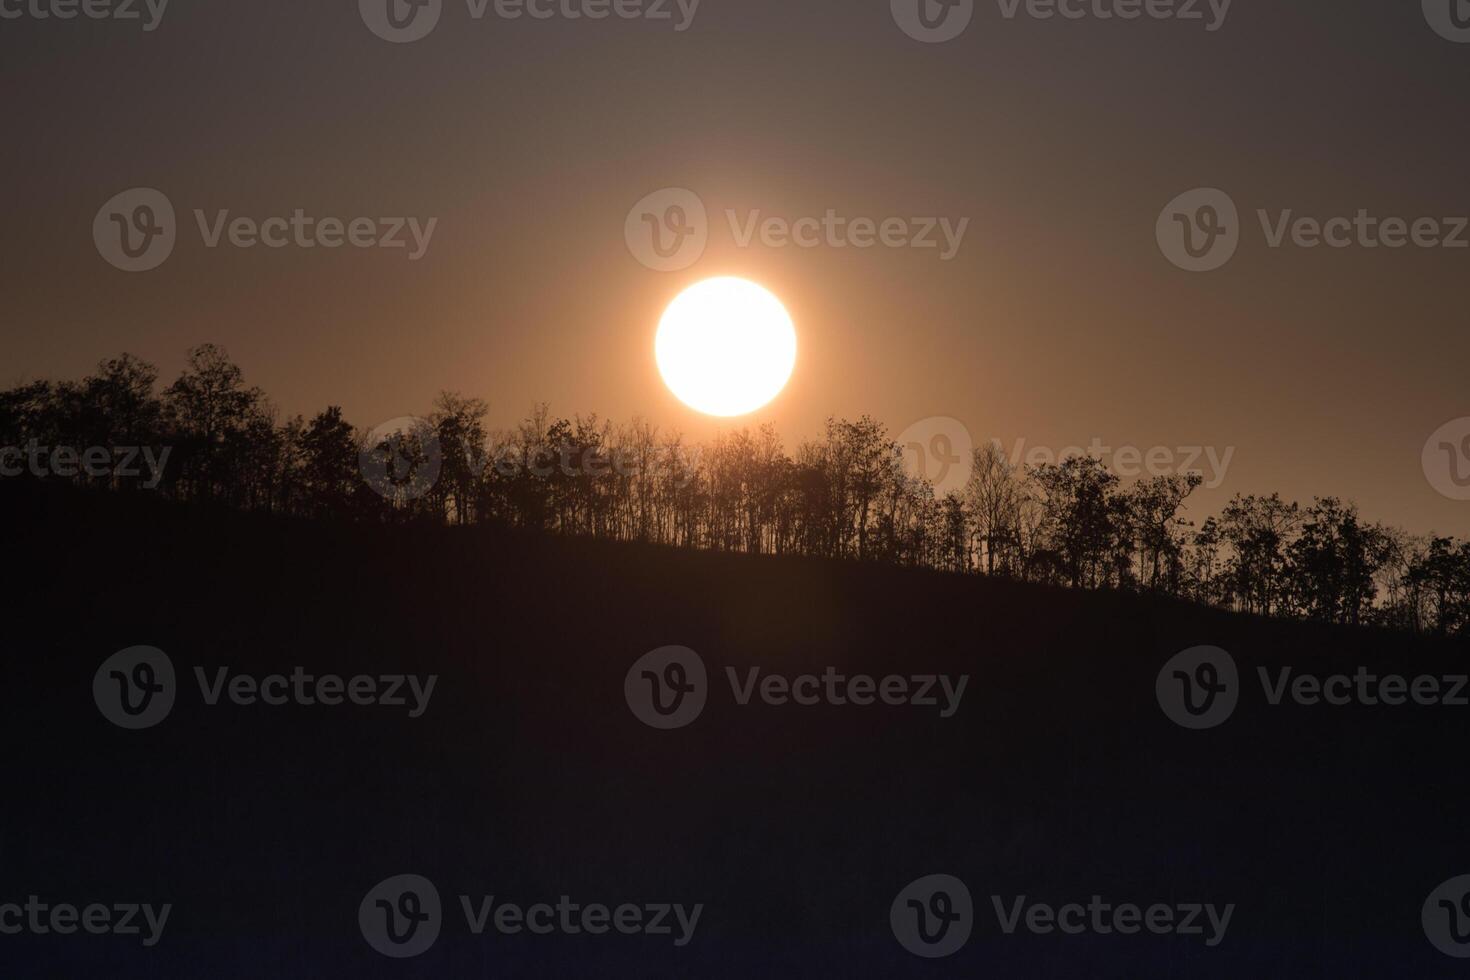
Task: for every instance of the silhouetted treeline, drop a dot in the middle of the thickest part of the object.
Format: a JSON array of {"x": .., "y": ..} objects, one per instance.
[{"x": 844, "y": 495}]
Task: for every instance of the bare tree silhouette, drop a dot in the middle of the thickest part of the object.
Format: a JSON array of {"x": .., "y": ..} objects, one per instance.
[{"x": 844, "y": 495}]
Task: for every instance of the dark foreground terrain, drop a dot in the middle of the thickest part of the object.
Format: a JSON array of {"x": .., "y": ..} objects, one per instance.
[{"x": 528, "y": 777}]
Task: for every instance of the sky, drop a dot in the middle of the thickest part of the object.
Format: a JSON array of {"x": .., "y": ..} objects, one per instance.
[{"x": 1059, "y": 320}]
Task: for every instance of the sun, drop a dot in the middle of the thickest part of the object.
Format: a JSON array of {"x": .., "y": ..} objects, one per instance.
[{"x": 725, "y": 346}]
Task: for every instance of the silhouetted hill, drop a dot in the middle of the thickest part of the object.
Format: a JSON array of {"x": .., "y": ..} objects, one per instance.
[{"x": 528, "y": 776}]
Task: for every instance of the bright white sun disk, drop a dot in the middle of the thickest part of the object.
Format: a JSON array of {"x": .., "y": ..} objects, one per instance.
[{"x": 725, "y": 346}]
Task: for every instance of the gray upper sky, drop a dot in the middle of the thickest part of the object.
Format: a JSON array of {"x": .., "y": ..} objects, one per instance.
[{"x": 1057, "y": 321}]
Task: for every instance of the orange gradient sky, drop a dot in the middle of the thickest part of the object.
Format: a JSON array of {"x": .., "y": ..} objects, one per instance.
[{"x": 1058, "y": 322}]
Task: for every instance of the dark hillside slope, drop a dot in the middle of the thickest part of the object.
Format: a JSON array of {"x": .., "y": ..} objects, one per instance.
[{"x": 528, "y": 777}]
